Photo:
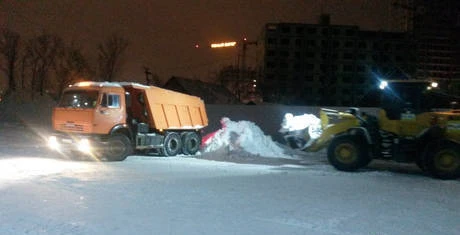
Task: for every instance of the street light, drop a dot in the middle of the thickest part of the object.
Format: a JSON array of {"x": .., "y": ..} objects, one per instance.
[{"x": 383, "y": 85}]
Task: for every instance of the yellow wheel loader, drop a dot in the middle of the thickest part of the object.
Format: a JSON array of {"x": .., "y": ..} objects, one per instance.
[{"x": 398, "y": 131}]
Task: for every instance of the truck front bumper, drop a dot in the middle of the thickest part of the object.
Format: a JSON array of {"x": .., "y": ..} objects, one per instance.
[{"x": 65, "y": 144}]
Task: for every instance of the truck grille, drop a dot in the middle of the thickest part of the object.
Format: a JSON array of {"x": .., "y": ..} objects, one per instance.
[{"x": 73, "y": 127}]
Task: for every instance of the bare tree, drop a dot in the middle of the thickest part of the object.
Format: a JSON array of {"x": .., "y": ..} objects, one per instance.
[
  {"x": 40, "y": 55},
  {"x": 9, "y": 46},
  {"x": 151, "y": 79},
  {"x": 110, "y": 55},
  {"x": 70, "y": 66}
]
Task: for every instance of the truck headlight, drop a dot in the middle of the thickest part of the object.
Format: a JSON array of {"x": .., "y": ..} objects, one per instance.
[
  {"x": 84, "y": 146},
  {"x": 53, "y": 143}
]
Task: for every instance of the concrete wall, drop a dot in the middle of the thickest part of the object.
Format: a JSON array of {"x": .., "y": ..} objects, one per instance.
[{"x": 267, "y": 117}]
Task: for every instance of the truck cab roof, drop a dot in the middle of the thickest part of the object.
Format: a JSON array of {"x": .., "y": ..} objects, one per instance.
[{"x": 110, "y": 84}]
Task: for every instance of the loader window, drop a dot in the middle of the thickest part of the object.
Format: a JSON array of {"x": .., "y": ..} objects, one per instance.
[
  {"x": 110, "y": 100},
  {"x": 78, "y": 99}
]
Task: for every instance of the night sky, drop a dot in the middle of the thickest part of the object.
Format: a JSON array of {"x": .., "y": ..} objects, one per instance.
[{"x": 163, "y": 34}]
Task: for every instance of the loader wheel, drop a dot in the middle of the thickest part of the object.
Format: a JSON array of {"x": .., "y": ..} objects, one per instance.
[
  {"x": 442, "y": 160},
  {"x": 347, "y": 153},
  {"x": 118, "y": 148},
  {"x": 172, "y": 144},
  {"x": 191, "y": 142}
]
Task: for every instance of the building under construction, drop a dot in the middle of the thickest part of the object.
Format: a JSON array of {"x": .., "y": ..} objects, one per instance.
[
  {"x": 434, "y": 26},
  {"x": 327, "y": 64}
]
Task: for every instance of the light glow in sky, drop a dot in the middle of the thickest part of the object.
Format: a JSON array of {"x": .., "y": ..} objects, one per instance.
[{"x": 223, "y": 44}]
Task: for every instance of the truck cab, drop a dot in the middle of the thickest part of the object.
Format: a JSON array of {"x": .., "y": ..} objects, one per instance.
[{"x": 87, "y": 109}]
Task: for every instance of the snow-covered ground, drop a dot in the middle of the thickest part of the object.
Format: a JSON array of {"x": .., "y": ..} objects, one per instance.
[{"x": 224, "y": 190}]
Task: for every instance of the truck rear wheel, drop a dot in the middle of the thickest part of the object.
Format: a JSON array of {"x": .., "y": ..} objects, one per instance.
[
  {"x": 191, "y": 142},
  {"x": 347, "y": 153},
  {"x": 118, "y": 148},
  {"x": 442, "y": 160},
  {"x": 172, "y": 144}
]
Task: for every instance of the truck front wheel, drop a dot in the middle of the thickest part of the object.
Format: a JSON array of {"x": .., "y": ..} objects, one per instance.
[
  {"x": 347, "y": 153},
  {"x": 118, "y": 148},
  {"x": 172, "y": 144},
  {"x": 442, "y": 160}
]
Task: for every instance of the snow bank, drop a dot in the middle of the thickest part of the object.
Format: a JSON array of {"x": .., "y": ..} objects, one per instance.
[
  {"x": 28, "y": 107},
  {"x": 243, "y": 136}
]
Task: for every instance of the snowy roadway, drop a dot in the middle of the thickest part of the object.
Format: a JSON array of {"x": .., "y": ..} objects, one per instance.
[
  {"x": 145, "y": 195},
  {"x": 215, "y": 193}
]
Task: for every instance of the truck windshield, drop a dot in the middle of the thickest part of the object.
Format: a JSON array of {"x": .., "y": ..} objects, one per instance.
[{"x": 79, "y": 99}]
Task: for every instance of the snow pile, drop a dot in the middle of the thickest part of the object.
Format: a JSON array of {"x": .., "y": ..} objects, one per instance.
[
  {"x": 242, "y": 136},
  {"x": 28, "y": 107}
]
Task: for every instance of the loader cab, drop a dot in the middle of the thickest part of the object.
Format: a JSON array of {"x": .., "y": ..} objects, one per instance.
[{"x": 403, "y": 99}]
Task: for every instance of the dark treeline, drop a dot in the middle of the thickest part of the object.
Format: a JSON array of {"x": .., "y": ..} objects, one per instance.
[{"x": 48, "y": 64}]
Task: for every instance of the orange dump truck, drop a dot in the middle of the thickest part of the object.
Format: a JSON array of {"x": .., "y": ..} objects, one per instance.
[{"x": 110, "y": 120}]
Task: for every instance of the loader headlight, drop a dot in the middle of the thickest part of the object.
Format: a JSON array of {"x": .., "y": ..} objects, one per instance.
[
  {"x": 383, "y": 85},
  {"x": 53, "y": 143},
  {"x": 84, "y": 146}
]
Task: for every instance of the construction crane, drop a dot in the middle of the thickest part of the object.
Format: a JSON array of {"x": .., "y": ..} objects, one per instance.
[
  {"x": 244, "y": 47},
  {"x": 244, "y": 76}
]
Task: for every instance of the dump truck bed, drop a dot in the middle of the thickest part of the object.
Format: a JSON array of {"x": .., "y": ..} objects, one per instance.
[{"x": 168, "y": 109}]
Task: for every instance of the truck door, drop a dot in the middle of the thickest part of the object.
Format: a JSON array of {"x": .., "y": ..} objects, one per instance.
[{"x": 109, "y": 113}]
